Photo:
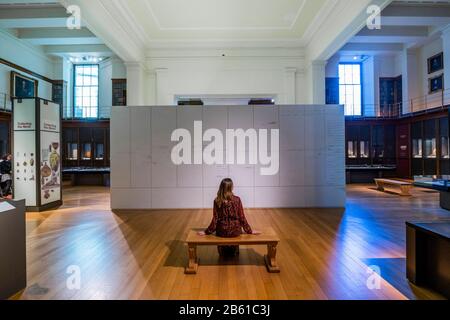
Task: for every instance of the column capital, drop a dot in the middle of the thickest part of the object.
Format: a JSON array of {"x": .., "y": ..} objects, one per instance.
[
  {"x": 135, "y": 64},
  {"x": 319, "y": 63}
]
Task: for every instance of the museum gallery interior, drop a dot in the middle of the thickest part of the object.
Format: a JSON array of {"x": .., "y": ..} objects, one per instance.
[{"x": 224, "y": 150}]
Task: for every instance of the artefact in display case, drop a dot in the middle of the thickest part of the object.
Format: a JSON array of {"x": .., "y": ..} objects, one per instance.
[
  {"x": 417, "y": 148},
  {"x": 364, "y": 149},
  {"x": 430, "y": 148},
  {"x": 445, "y": 154},
  {"x": 352, "y": 149}
]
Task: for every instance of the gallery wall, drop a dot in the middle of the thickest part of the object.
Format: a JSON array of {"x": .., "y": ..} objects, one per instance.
[
  {"x": 311, "y": 171},
  {"x": 244, "y": 72},
  {"x": 28, "y": 57}
]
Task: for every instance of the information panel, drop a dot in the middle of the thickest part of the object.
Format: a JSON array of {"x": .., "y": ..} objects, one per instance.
[{"x": 37, "y": 153}]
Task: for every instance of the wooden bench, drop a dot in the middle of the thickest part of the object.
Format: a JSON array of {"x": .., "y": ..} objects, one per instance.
[
  {"x": 405, "y": 187},
  {"x": 268, "y": 238}
]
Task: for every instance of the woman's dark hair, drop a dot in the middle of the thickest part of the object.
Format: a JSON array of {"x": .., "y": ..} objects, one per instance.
[
  {"x": 5, "y": 157},
  {"x": 225, "y": 192}
]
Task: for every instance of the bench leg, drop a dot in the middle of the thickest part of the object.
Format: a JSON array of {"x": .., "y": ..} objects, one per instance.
[
  {"x": 380, "y": 186},
  {"x": 405, "y": 190},
  {"x": 270, "y": 259},
  {"x": 193, "y": 260}
]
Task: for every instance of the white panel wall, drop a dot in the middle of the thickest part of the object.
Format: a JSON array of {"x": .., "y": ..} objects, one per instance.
[{"x": 312, "y": 165}]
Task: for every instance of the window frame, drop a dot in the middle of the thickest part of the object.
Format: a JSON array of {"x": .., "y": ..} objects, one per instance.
[
  {"x": 74, "y": 86},
  {"x": 360, "y": 84}
]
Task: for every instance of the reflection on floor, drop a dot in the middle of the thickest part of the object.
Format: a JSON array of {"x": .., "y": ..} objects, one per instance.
[{"x": 324, "y": 254}]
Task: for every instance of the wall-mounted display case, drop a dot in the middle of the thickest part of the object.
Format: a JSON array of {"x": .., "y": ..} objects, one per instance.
[
  {"x": 86, "y": 152},
  {"x": 444, "y": 161},
  {"x": 37, "y": 153},
  {"x": 445, "y": 154},
  {"x": 371, "y": 151},
  {"x": 430, "y": 148},
  {"x": 352, "y": 149},
  {"x": 417, "y": 150},
  {"x": 72, "y": 151},
  {"x": 430, "y": 133},
  {"x": 364, "y": 149},
  {"x": 86, "y": 144}
]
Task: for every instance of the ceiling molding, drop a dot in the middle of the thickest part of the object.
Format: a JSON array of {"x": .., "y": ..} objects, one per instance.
[
  {"x": 162, "y": 28},
  {"x": 103, "y": 23},
  {"x": 328, "y": 8}
]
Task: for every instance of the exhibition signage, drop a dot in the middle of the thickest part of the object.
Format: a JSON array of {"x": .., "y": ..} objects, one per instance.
[{"x": 37, "y": 153}]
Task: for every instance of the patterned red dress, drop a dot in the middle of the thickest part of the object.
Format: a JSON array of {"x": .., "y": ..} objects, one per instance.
[{"x": 229, "y": 220}]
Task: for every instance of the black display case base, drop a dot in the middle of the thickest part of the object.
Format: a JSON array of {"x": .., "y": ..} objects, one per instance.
[{"x": 50, "y": 206}]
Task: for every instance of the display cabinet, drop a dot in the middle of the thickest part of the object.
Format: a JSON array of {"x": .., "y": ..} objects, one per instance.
[
  {"x": 417, "y": 150},
  {"x": 445, "y": 148},
  {"x": 86, "y": 144},
  {"x": 70, "y": 146},
  {"x": 99, "y": 141},
  {"x": 352, "y": 149},
  {"x": 5, "y": 136},
  {"x": 444, "y": 161},
  {"x": 371, "y": 151},
  {"x": 378, "y": 144},
  {"x": 430, "y": 147},
  {"x": 364, "y": 149},
  {"x": 86, "y": 147}
]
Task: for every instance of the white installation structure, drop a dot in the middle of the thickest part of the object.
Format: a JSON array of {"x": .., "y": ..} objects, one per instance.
[{"x": 311, "y": 169}]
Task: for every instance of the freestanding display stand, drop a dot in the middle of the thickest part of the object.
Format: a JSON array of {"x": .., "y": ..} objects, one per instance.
[
  {"x": 13, "y": 267},
  {"x": 37, "y": 153}
]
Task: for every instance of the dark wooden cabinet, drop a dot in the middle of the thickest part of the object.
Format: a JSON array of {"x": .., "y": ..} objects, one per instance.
[
  {"x": 5, "y": 133},
  {"x": 59, "y": 93},
  {"x": 370, "y": 143},
  {"x": 119, "y": 92},
  {"x": 86, "y": 144},
  {"x": 430, "y": 154},
  {"x": 390, "y": 96}
]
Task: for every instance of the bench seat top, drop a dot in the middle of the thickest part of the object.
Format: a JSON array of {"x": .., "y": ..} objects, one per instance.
[
  {"x": 394, "y": 182},
  {"x": 267, "y": 236}
]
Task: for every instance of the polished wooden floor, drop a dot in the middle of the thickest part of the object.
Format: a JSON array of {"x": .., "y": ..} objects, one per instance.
[{"x": 323, "y": 254}]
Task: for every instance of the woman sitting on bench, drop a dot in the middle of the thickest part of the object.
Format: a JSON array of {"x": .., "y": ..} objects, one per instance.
[{"x": 228, "y": 218}]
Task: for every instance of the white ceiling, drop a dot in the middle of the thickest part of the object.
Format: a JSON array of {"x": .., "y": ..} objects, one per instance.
[
  {"x": 160, "y": 23},
  {"x": 43, "y": 23}
]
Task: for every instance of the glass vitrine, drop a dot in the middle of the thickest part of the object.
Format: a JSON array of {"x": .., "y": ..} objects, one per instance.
[
  {"x": 364, "y": 149},
  {"x": 86, "y": 153},
  {"x": 417, "y": 148},
  {"x": 352, "y": 149},
  {"x": 430, "y": 148},
  {"x": 72, "y": 151},
  {"x": 445, "y": 154},
  {"x": 99, "y": 151}
]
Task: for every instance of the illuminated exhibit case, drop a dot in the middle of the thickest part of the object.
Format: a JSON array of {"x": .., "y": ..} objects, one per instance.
[{"x": 37, "y": 153}]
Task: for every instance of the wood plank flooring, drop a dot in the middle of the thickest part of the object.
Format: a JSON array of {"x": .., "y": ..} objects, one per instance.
[{"x": 323, "y": 254}]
